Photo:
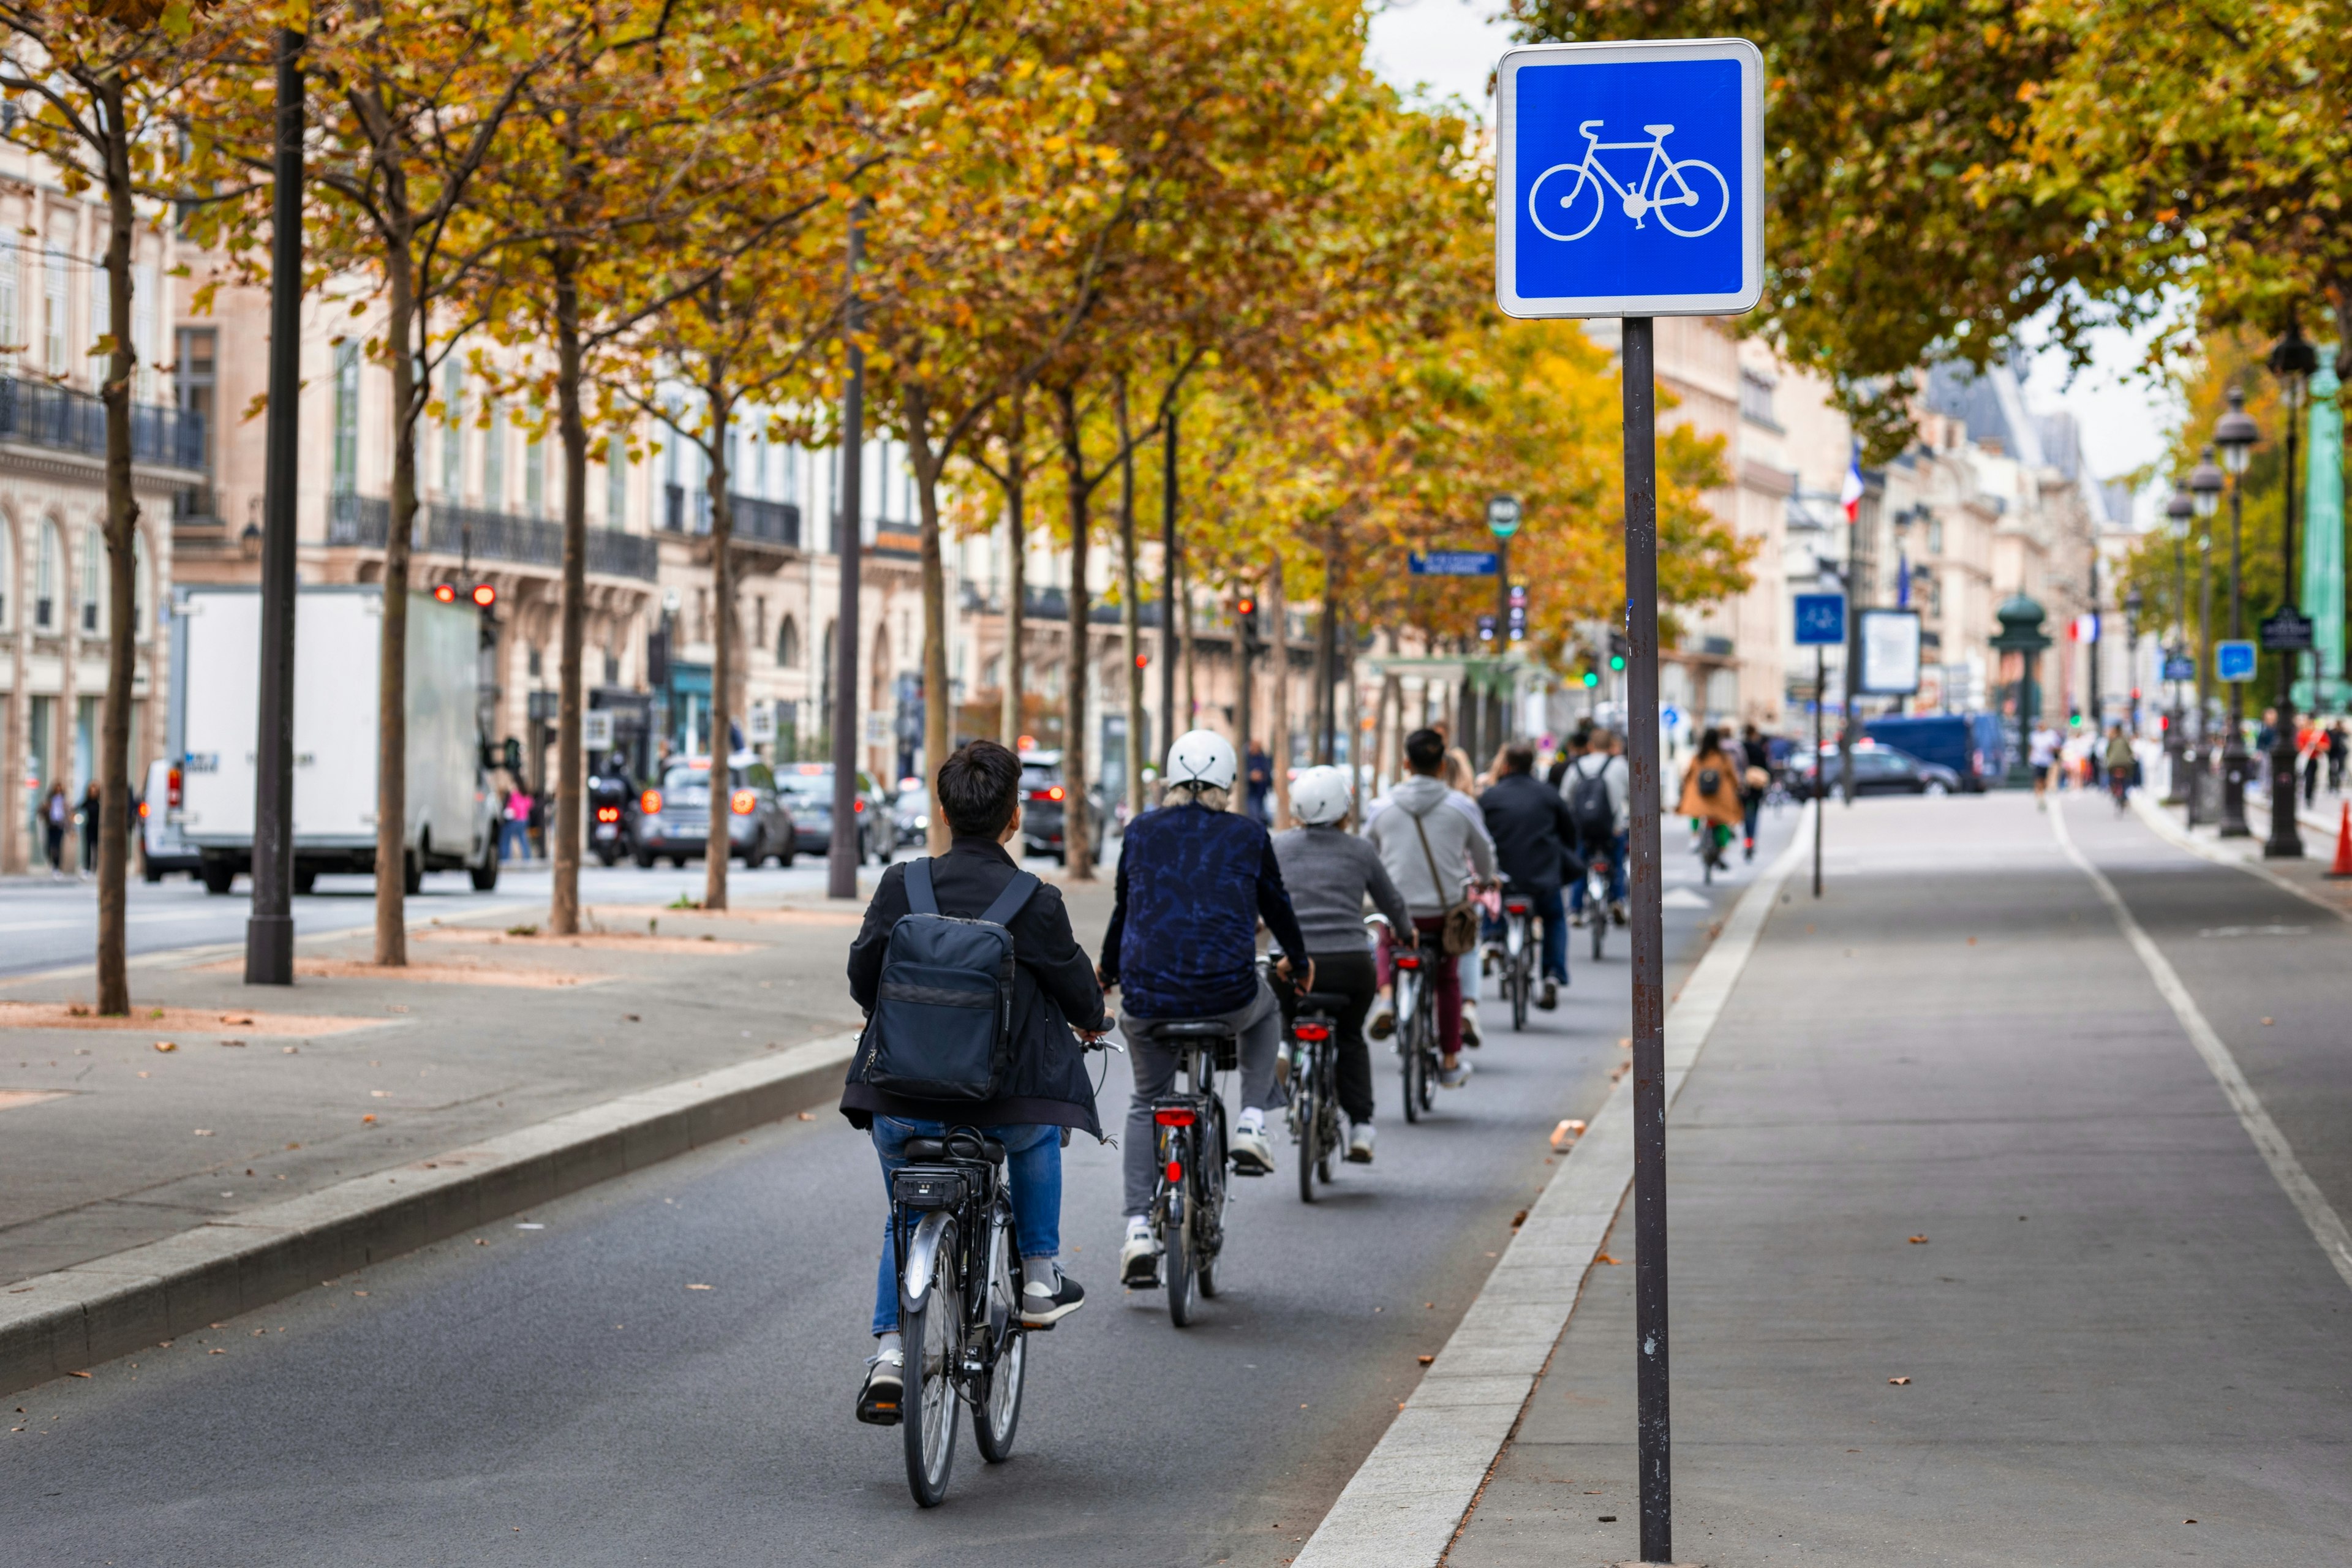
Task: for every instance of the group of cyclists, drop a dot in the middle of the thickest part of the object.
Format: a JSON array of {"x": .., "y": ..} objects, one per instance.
[{"x": 1195, "y": 880}]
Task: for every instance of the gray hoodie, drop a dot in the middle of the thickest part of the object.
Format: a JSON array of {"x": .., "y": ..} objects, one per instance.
[
  {"x": 1457, "y": 842},
  {"x": 1328, "y": 871}
]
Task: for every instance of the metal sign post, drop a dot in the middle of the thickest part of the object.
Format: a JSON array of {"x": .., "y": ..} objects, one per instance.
[
  {"x": 1820, "y": 621},
  {"x": 1630, "y": 183}
]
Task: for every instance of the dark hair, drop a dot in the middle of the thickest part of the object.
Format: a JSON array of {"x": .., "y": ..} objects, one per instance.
[
  {"x": 1425, "y": 750},
  {"x": 978, "y": 787},
  {"x": 1710, "y": 740},
  {"x": 1518, "y": 757}
]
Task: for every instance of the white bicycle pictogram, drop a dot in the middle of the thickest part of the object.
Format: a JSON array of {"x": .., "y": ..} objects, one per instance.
[{"x": 1665, "y": 186}]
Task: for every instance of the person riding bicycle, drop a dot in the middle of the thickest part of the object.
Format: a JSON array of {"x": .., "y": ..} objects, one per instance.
[
  {"x": 1045, "y": 1088},
  {"x": 1598, "y": 789},
  {"x": 1534, "y": 839},
  {"x": 2120, "y": 759},
  {"x": 1431, "y": 839},
  {"x": 1710, "y": 796},
  {"x": 1194, "y": 879},
  {"x": 1328, "y": 872}
]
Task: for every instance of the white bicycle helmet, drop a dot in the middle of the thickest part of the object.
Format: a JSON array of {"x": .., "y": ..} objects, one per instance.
[
  {"x": 1320, "y": 796},
  {"x": 1201, "y": 757}
]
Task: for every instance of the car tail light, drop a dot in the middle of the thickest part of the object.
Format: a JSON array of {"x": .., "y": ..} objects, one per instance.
[
  {"x": 142, "y": 811},
  {"x": 650, "y": 803},
  {"x": 1054, "y": 794},
  {"x": 853, "y": 805},
  {"x": 1408, "y": 960},
  {"x": 171, "y": 788},
  {"x": 1172, "y": 1118},
  {"x": 1313, "y": 1033},
  {"x": 743, "y": 803},
  {"x": 608, "y": 814},
  {"x": 1175, "y": 1172}
]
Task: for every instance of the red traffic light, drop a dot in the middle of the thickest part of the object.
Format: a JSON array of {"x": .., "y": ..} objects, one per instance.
[
  {"x": 445, "y": 594},
  {"x": 1142, "y": 659},
  {"x": 1245, "y": 605},
  {"x": 485, "y": 596}
]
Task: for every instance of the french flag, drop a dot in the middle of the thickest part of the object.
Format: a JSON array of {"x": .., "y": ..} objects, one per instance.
[{"x": 1850, "y": 497}]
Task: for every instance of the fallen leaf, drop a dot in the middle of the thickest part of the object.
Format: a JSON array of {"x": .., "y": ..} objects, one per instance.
[
  {"x": 359, "y": 1292},
  {"x": 1624, "y": 1042},
  {"x": 1566, "y": 1133},
  {"x": 2266, "y": 1024},
  {"x": 379, "y": 1094},
  {"x": 290, "y": 1050},
  {"x": 1972, "y": 941},
  {"x": 697, "y": 1287},
  {"x": 291, "y": 1146},
  {"x": 479, "y": 1241},
  {"x": 232, "y": 1042},
  {"x": 142, "y": 1075},
  {"x": 174, "y": 1045},
  {"x": 81, "y": 1374},
  {"x": 1604, "y": 1257},
  {"x": 204, "y": 1132},
  {"x": 1424, "y": 1360},
  {"x": 1898, "y": 1382},
  {"x": 808, "y": 1116},
  {"x": 1519, "y": 1219},
  {"x": 1918, "y": 1241},
  {"x": 365, "y": 1119},
  {"x": 240, "y": 1023},
  {"x": 217, "y": 1351}
]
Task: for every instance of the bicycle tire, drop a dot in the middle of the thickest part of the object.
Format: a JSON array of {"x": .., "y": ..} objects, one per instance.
[
  {"x": 1597, "y": 916},
  {"x": 996, "y": 1392},
  {"x": 933, "y": 1336},
  {"x": 1209, "y": 1233},
  {"x": 1522, "y": 985},
  {"x": 1180, "y": 1264},
  {"x": 1675, "y": 170},
  {"x": 1409, "y": 1058},
  {"x": 1310, "y": 1117},
  {"x": 1584, "y": 182}
]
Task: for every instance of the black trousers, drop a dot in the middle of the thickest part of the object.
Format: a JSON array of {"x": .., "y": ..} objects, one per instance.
[{"x": 1354, "y": 976}]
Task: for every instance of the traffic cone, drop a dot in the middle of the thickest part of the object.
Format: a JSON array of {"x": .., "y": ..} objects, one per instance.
[{"x": 2343, "y": 867}]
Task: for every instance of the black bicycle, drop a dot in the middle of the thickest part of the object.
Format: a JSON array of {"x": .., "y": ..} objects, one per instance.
[
  {"x": 1188, "y": 1200},
  {"x": 1418, "y": 1058},
  {"x": 1518, "y": 956},
  {"x": 958, "y": 1303},
  {"x": 1598, "y": 875},
  {"x": 1314, "y": 1111}
]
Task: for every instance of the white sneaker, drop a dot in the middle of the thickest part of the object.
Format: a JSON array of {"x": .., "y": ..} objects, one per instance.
[
  {"x": 1470, "y": 1025},
  {"x": 1252, "y": 1154},
  {"x": 1139, "y": 1257},
  {"x": 1359, "y": 1143},
  {"x": 1382, "y": 1022},
  {"x": 1454, "y": 1077}
]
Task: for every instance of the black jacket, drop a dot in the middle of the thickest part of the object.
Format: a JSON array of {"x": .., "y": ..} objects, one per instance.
[
  {"x": 1532, "y": 830},
  {"x": 1054, "y": 984}
]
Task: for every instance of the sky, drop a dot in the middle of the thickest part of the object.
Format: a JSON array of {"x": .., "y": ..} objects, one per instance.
[{"x": 1451, "y": 46}]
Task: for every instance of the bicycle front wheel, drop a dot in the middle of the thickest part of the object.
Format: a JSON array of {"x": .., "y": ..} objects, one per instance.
[
  {"x": 1565, "y": 209},
  {"x": 1410, "y": 1058},
  {"x": 933, "y": 1335}
]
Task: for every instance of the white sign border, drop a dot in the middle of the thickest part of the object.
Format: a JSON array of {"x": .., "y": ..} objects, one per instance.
[{"x": 1582, "y": 307}]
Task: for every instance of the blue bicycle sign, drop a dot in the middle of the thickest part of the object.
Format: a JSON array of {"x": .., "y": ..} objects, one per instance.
[
  {"x": 1630, "y": 179},
  {"x": 1666, "y": 188}
]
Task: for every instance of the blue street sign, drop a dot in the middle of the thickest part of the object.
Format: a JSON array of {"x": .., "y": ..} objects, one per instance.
[
  {"x": 1630, "y": 179},
  {"x": 1453, "y": 563},
  {"x": 2233, "y": 659},
  {"x": 1820, "y": 620},
  {"x": 1670, "y": 716},
  {"x": 2179, "y": 667}
]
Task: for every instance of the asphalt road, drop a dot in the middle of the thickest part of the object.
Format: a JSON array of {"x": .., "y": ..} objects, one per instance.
[{"x": 563, "y": 1394}]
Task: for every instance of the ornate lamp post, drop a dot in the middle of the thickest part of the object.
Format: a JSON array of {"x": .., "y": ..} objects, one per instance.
[
  {"x": 2205, "y": 486},
  {"x": 2021, "y": 634},
  {"x": 2235, "y": 435},
  {"x": 2178, "y": 510},
  {"x": 2292, "y": 360}
]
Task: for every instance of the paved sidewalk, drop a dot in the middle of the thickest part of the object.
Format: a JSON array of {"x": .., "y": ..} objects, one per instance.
[{"x": 2117, "y": 1323}]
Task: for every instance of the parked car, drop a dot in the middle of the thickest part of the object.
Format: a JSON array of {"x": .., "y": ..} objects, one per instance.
[
  {"x": 1877, "y": 770},
  {"x": 910, "y": 813},
  {"x": 809, "y": 787},
  {"x": 162, "y": 848},
  {"x": 1966, "y": 744},
  {"x": 1045, "y": 802},
  {"x": 673, "y": 820}
]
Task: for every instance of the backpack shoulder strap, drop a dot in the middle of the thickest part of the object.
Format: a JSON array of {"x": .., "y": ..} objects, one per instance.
[
  {"x": 1010, "y": 901},
  {"x": 920, "y": 899}
]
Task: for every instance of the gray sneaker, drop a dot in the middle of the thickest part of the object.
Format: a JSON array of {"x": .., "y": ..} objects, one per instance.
[
  {"x": 1454, "y": 1077},
  {"x": 1359, "y": 1143}
]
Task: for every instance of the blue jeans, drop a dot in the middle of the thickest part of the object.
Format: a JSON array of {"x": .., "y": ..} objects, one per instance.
[
  {"x": 1616, "y": 853},
  {"x": 1033, "y": 1159},
  {"x": 1547, "y": 909},
  {"x": 514, "y": 840}
]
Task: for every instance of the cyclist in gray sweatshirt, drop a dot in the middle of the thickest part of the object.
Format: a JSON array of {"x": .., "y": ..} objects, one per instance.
[{"x": 1329, "y": 871}]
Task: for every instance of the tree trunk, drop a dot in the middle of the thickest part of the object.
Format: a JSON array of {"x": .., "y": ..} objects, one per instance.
[
  {"x": 718, "y": 845},
  {"x": 391, "y": 659},
  {"x": 939, "y": 716},
  {"x": 1078, "y": 830},
  {"x": 1016, "y": 558},
  {"x": 1131, "y": 615},
  {"x": 121, "y": 523},
  {"x": 1278, "y": 709},
  {"x": 563, "y": 849}
]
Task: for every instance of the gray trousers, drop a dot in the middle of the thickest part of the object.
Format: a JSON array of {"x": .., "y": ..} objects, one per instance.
[{"x": 1258, "y": 1022}]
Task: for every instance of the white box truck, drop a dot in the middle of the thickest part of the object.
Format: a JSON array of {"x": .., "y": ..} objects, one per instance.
[{"x": 337, "y": 638}]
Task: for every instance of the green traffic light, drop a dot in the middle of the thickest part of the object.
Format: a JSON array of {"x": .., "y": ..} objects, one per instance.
[
  {"x": 1616, "y": 661},
  {"x": 1592, "y": 678}
]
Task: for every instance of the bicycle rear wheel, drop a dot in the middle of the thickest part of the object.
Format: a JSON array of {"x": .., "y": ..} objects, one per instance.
[
  {"x": 933, "y": 1335},
  {"x": 1209, "y": 1203},
  {"x": 1596, "y": 911},
  {"x": 1182, "y": 1266},
  {"x": 1409, "y": 1058},
  {"x": 1307, "y": 1113},
  {"x": 996, "y": 1392},
  {"x": 1522, "y": 988}
]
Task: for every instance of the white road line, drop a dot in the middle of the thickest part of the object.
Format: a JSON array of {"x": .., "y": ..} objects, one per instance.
[
  {"x": 1405, "y": 1503},
  {"x": 2326, "y": 1225}
]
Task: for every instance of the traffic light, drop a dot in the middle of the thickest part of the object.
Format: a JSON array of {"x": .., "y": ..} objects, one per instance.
[
  {"x": 1142, "y": 660},
  {"x": 1618, "y": 648},
  {"x": 1486, "y": 628},
  {"x": 1591, "y": 679},
  {"x": 444, "y": 594},
  {"x": 485, "y": 596}
]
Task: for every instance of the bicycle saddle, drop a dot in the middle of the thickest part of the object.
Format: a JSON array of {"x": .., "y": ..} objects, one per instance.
[
  {"x": 1321, "y": 1002},
  {"x": 1186, "y": 1029},
  {"x": 957, "y": 1145},
  {"x": 1659, "y": 130}
]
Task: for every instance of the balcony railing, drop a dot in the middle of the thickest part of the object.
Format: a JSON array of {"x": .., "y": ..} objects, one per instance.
[
  {"x": 471, "y": 532},
  {"x": 41, "y": 415},
  {"x": 757, "y": 521}
]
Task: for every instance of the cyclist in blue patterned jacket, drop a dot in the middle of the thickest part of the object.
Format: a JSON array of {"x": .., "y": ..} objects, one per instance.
[{"x": 1194, "y": 879}]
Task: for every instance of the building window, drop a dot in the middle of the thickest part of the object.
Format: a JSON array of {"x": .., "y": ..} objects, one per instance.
[
  {"x": 346, "y": 453},
  {"x": 617, "y": 480},
  {"x": 143, "y": 289},
  {"x": 45, "y": 569},
  {"x": 199, "y": 382},
  {"x": 788, "y": 644},
  {"x": 11, "y": 281},
  {"x": 453, "y": 431},
  {"x": 534, "y": 474},
  {"x": 1756, "y": 398},
  {"x": 494, "y": 456},
  {"x": 54, "y": 328},
  {"x": 1935, "y": 536},
  {"x": 93, "y": 578}
]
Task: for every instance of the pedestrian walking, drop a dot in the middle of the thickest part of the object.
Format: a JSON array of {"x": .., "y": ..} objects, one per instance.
[
  {"x": 2338, "y": 743},
  {"x": 1259, "y": 783},
  {"x": 2042, "y": 756},
  {"x": 2312, "y": 746},
  {"x": 1755, "y": 780},
  {"x": 1710, "y": 798},
  {"x": 87, "y": 817},
  {"x": 514, "y": 829},
  {"x": 57, "y": 811}
]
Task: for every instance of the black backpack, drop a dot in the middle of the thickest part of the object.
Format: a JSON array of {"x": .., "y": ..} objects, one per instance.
[
  {"x": 942, "y": 1024},
  {"x": 1588, "y": 802}
]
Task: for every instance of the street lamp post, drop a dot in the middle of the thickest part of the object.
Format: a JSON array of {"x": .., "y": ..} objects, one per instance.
[
  {"x": 2176, "y": 513},
  {"x": 2235, "y": 435},
  {"x": 2133, "y": 604},
  {"x": 2293, "y": 359},
  {"x": 2205, "y": 486}
]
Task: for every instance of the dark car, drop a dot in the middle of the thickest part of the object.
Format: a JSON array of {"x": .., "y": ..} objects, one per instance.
[
  {"x": 910, "y": 813},
  {"x": 809, "y": 787},
  {"x": 1045, "y": 802},
  {"x": 1877, "y": 770},
  {"x": 673, "y": 820}
]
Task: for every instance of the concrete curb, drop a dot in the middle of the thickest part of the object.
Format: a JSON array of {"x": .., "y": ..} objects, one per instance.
[
  {"x": 2182, "y": 837},
  {"x": 1405, "y": 1503},
  {"x": 61, "y": 1322}
]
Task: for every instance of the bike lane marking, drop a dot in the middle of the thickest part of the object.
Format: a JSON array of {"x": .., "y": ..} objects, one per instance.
[
  {"x": 1408, "y": 1499},
  {"x": 2327, "y": 1225}
]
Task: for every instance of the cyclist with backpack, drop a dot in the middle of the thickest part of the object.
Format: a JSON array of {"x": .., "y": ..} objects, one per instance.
[
  {"x": 971, "y": 981},
  {"x": 1598, "y": 788},
  {"x": 1194, "y": 879},
  {"x": 1534, "y": 837},
  {"x": 1330, "y": 872}
]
